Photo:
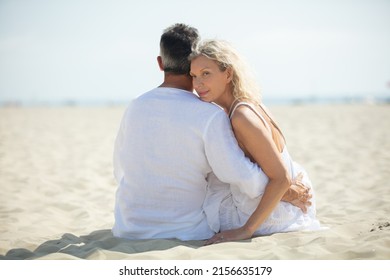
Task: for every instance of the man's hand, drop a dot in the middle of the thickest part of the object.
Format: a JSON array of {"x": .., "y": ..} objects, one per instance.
[{"x": 298, "y": 194}]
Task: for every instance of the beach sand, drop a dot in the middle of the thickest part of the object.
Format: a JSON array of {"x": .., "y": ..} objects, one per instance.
[{"x": 57, "y": 187}]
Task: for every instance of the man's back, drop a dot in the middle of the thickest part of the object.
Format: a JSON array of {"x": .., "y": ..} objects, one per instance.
[{"x": 161, "y": 166}]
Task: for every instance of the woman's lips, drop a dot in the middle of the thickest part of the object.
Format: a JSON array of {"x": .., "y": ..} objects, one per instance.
[{"x": 202, "y": 93}]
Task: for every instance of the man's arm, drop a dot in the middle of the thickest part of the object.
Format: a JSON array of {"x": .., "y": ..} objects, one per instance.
[
  {"x": 227, "y": 159},
  {"x": 118, "y": 170}
]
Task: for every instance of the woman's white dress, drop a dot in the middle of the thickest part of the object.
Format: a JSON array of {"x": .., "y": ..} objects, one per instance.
[{"x": 228, "y": 207}]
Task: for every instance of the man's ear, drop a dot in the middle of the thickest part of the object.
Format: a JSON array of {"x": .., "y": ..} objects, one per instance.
[{"x": 160, "y": 63}]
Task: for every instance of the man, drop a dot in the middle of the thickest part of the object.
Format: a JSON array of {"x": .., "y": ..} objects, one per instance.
[{"x": 168, "y": 145}]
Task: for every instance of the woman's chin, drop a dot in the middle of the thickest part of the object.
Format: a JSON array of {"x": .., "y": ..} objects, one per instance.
[{"x": 205, "y": 99}]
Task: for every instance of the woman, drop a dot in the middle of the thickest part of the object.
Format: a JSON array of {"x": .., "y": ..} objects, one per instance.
[{"x": 220, "y": 76}]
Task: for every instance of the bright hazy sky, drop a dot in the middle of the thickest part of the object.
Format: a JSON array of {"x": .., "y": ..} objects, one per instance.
[{"x": 106, "y": 50}]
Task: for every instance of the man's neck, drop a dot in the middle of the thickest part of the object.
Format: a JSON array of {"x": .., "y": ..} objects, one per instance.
[{"x": 183, "y": 82}]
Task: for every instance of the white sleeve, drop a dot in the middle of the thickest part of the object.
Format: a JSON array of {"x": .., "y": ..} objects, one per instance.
[
  {"x": 118, "y": 169},
  {"x": 228, "y": 161}
]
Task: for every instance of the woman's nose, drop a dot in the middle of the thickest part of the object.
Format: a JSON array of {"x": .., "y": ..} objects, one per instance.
[{"x": 196, "y": 82}]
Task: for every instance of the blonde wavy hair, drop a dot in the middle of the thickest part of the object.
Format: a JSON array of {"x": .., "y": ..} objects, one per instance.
[{"x": 244, "y": 86}]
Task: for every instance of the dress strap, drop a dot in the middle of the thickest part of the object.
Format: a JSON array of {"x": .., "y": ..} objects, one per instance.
[{"x": 250, "y": 106}]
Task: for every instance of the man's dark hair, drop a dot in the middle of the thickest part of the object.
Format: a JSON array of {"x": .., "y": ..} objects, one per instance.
[{"x": 176, "y": 45}]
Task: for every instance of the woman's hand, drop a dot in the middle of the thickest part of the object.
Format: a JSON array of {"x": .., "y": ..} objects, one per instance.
[{"x": 229, "y": 235}]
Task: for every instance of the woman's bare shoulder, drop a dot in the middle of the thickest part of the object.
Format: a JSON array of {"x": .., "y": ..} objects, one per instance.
[{"x": 244, "y": 116}]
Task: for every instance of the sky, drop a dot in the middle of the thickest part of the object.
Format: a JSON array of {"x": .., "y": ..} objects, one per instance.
[{"x": 105, "y": 51}]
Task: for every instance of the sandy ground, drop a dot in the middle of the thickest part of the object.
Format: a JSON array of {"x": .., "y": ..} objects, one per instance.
[{"x": 57, "y": 187}]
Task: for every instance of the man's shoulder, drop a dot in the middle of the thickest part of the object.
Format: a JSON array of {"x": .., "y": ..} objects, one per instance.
[{"x": 174, "y": 95}]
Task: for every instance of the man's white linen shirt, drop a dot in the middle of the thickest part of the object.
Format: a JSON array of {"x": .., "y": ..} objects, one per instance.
[{"x": 168, "y": 143}]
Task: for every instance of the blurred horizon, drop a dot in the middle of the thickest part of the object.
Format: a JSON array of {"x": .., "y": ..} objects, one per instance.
[
  {"x": 89, "y": 52},
  {"x": 368, "y": 99}
]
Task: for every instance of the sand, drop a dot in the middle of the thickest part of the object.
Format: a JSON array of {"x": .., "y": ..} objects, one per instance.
[{"x": 57, "y": 187}]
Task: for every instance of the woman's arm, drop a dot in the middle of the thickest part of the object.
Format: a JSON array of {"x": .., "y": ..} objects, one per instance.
[
  {"x": 258, "y": 142},
  {"x": 254, "y": 137}
]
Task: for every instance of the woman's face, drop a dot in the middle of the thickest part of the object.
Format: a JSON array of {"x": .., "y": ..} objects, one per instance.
[{"x": 211, "y": 84}]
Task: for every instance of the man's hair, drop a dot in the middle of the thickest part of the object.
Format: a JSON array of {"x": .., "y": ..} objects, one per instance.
[{"x": 176, "y": 44}]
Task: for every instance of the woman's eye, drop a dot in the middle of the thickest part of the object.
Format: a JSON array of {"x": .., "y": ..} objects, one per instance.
[{"x": 206, "y": 73}]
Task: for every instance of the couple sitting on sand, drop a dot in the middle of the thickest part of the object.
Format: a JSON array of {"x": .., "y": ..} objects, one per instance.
[{"x": 207, "y": 166}]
